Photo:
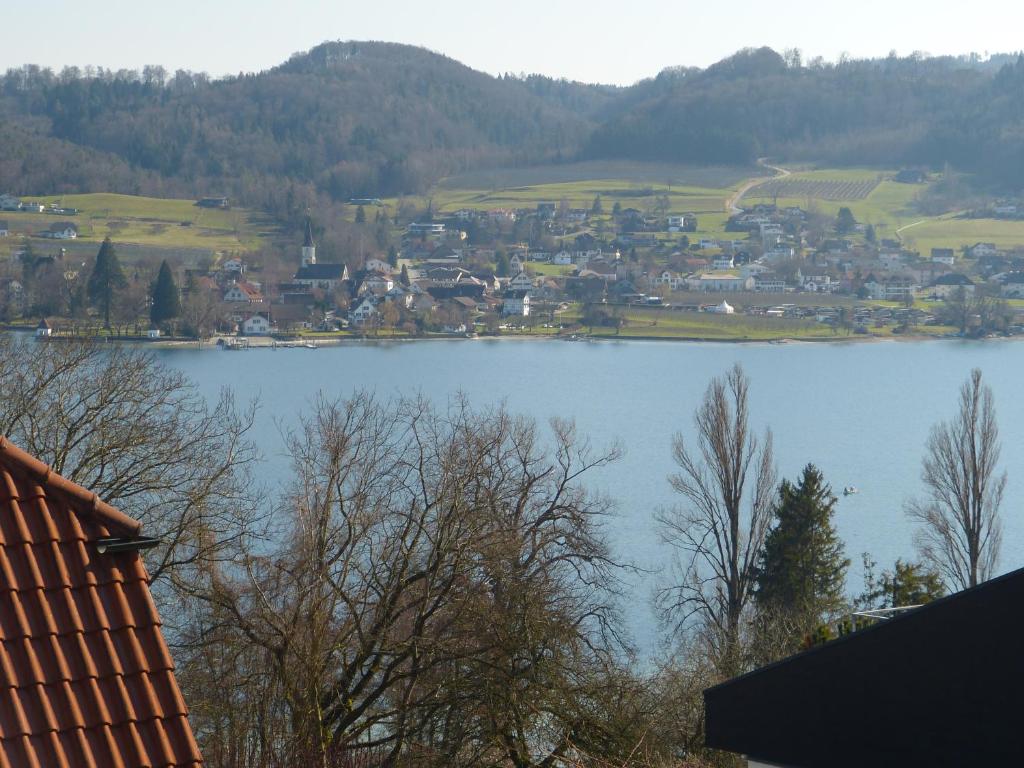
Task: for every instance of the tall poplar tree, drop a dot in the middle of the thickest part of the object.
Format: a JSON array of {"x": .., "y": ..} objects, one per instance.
[
  {"x": 166, "y": 301},
  {"x": 106, "y": 280}
]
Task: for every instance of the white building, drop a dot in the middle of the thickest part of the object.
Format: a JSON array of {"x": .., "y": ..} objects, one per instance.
[
  {"x": 722, "y": 309},
  {"x": 673, "y": 280},
  {"x": 712, "y": 282},
  {"x": 516, "y": 303},
  {"x": 256, "y": 325}
]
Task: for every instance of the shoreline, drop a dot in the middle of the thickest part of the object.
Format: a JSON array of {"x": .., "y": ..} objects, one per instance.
[
  {"x": 266, "y": 342},
  {"x": 256, "y": 342}
]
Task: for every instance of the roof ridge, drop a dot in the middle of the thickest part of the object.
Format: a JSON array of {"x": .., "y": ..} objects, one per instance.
[{"x": 84, "y": 500}]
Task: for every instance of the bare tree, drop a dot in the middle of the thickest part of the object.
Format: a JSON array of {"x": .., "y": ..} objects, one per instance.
[
  {"x": 438, "y": 593},
  {"x": 140, "y": 436},
  {"x": 960, "y": 529},
  {"x": 727, "y": 480}
]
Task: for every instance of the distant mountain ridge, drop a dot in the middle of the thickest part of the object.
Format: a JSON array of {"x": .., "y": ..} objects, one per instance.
[{"x": 372, "y": 119}]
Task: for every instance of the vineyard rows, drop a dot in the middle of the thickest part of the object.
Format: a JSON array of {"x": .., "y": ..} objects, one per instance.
[{"x": 820, "y": 189}]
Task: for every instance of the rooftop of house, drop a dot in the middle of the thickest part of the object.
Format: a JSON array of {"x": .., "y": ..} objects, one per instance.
[
  {"x": 87, "y": 678},
  {"x": 323, "y": 271},
  {"x": 937, "y": 685}
]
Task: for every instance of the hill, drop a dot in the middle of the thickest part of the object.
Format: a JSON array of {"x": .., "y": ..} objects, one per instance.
[
  {"x": 379, "y": 119},
  {"x": 350, "y": 119},
  {"x": 883, "y": 112}
]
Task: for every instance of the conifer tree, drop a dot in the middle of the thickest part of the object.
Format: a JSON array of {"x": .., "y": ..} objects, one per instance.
[
  {"x": 360, "y": 215},
  {"x": 802, "y": 571},
  {"x": 166, "y": 302},
  {"x": 106, "y": 280},
  {"x": 403, "y": 278}
]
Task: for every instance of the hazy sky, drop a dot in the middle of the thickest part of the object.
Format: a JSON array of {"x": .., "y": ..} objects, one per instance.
[{"x": 596, "y": 40}]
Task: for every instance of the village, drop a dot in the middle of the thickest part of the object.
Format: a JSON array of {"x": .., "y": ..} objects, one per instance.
[{"x": 554, "y": 269}]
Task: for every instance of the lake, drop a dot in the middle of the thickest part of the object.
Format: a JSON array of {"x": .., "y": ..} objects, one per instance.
[{"x": 860, "y": 411}]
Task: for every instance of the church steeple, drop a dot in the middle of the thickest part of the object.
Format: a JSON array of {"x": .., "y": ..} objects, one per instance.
[{"x": 308, "y": 247}]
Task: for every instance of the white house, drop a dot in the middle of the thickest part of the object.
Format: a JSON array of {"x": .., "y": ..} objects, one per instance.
[
  {"x": 378, "y": 282},
  {"x": 945, "y": 256},
  {"x": 516, "y": 263},
  {"x": 817, "y": 283},
  {"x": 753, "y": 269},
  {"x": 256, "y": 325},
  {"x": 769, "y": 283},
  {"x": 983, "y": 249},
  {"x": 950, "y": 284},
  {"x": 378, "y": 265},
  {"x": 893, "y": 289},
  {"x": 62, "y": 230},
  {"x": 516, "y": 303},
  {"x": 364, "y": 312},
  {"x": 43, "y": 329},
  {"x": 723, "y": 262},
  {"x": 9, "y": 203},
  {"x": 521, "y": 282},
  {"x": 242, "y": 292},
  {"x": 233, "y": 266},
  {"x": 673, "y": 280},
  {"x": 562, "y": 258}
]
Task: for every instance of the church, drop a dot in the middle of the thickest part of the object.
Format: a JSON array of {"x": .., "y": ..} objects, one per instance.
[{"x": 312, "y": 275}]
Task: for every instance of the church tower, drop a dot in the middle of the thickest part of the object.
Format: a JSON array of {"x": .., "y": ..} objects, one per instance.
[{"x": 308, "y": 248}]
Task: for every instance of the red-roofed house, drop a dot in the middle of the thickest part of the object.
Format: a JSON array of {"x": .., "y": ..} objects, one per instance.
[
  {"x": 244, "y": 293},
  {"x": 86, "y": 678}
]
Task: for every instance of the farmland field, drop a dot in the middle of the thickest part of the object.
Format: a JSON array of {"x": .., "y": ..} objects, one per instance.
[
  {"x": 820, "y": 189},
  {"x": 659, "y": 174},
  {"x": 150, "y": 222}
]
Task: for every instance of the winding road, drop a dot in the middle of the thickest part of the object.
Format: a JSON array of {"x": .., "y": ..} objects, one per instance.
[{"x": 732, "y": 204}]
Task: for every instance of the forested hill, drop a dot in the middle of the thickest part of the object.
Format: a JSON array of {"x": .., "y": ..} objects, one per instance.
[
  {"x": 375, "y": 119},
  {"x": 888, "y": 112},
  {"x": 347, "y": 118}
]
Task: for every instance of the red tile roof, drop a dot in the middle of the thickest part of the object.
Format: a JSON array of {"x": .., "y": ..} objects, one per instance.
[{"x": 86, "y": 678}]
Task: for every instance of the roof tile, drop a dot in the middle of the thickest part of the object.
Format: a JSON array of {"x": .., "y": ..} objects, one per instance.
[{"x": 86, "y": 679}]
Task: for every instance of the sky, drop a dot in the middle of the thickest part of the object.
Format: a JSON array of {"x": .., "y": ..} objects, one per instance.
[{"x": 595, "y": 41}]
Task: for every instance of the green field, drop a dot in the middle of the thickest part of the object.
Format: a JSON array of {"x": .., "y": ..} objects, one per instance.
[
  {"x": 150, "y": 221},
  {"x": 890, "y": 208}
]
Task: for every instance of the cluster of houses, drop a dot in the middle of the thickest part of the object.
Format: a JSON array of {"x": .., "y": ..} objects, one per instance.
[
  {"x": 328, "y": 296},
  {"x": 60, "y": 230},
  {"x": 449, "y": 284}
]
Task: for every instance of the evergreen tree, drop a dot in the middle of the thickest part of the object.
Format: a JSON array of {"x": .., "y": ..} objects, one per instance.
[
  {"x": 597, "y": 208},
  {"x": 802, "y": 571},
  {"x": 617, "y": 208},
  {"x": 501, "y": 267},
  {"x": 870, "y": 235},
  {"x": 403, "y": 278},
  {"x": 845, "y": 221},
  {"x": 106, "y": 280},
  {"x": 393, "y": 256},
  {"x": 360, "y": 215},
  {"x": 166, "y": 302},
  {"x": 905, "y": 585}
]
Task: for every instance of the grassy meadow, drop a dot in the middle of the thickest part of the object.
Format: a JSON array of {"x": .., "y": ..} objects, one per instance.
[{"x": 149, "y": 221}]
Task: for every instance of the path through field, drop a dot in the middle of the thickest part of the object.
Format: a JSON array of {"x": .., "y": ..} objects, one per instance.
[{"x": 732, "y": 204}]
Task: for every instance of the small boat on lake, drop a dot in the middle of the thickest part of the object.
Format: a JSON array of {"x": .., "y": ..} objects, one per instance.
[{"x": 850, "y": 490}]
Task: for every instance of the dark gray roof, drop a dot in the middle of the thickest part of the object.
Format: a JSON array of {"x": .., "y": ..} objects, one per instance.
[
  {"x": 321, "y": 272},
  {"x": 953, "y": 278}
]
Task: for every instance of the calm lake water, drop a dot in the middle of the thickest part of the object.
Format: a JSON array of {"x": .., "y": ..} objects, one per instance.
[{"x": 860, "y": 411}]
